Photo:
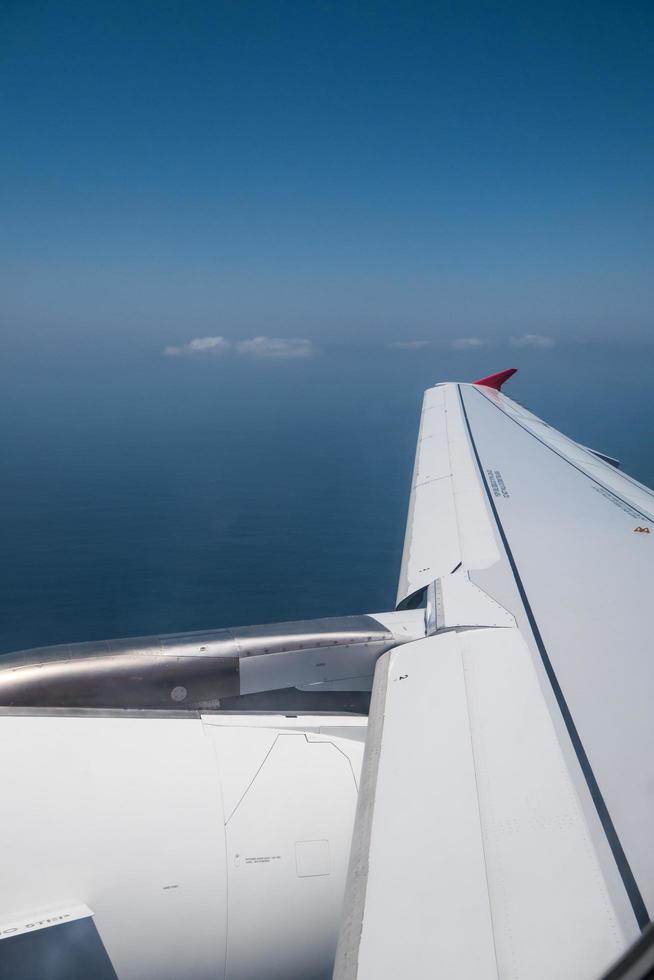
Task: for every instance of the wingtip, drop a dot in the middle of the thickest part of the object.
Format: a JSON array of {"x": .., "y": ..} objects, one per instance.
[{"x": 496, "y": 380}]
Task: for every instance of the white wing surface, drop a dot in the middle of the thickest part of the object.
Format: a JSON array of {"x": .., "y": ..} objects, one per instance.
[{"x": 506, "y": 809}]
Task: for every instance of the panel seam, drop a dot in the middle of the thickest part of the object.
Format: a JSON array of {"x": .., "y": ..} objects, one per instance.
[
  {"x": 589, "y": 476},
  {"x": 619, "y": 856},
  {"x": 481, "y": 822}
]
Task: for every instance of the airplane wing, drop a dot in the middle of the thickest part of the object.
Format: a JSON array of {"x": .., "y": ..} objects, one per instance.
[{"x": 506, "y": 806}]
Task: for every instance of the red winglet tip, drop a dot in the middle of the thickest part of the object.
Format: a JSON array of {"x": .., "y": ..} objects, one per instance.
[{"x": 496, "y": 380}]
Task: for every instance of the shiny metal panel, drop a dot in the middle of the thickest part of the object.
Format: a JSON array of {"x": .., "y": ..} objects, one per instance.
[
  {"x": 127, "y": 680},
  {"x": 188, "y": 671}
]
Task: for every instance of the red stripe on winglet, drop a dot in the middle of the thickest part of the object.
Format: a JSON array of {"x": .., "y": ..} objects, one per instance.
[{"x": 496, "y": 380}]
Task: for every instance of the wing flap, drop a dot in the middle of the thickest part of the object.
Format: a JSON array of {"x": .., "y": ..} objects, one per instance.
[
  {"x": 417, "y": 830},
  {"x": 471, "y": 853}
]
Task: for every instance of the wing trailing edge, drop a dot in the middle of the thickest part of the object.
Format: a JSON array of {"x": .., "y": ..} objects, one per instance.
[{"x": 471, "y": 856}]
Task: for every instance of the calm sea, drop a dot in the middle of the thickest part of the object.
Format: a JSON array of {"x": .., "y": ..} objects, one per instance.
[{"x": 143, "y": 494}]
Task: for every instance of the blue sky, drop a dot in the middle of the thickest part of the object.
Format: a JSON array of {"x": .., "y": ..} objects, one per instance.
[{"x": 367, "y": 172}]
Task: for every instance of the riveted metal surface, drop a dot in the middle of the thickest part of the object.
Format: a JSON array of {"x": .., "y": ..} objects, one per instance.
[{"x": 185, "y": 671}]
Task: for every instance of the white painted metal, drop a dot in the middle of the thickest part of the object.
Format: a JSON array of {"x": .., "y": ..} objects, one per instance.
[
  {"x": 477, "y": 859},
  {"x": 304, "y": 668},
  {"x": 587, "y": 575},
  {"x": 636, "y": 493},
  {"x": 128, "y": 816},
  {"x": 475, "y": 527},
  {"x": 287, "y": 843},
  {"x": 409, "y": 624},
  {"x": 448, "y": 522},
  {"x": 330, "y": 670},
  {"x": 552, "y": 913},
  {"x": 462, "y": 603},
  {"x": 425, "y": 910},
  {"x": 119, "y": 814},
  {"x": 554, "y": 549},
  {"x": 431, "y": 543}
]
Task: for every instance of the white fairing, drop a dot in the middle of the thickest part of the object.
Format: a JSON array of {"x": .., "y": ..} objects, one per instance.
[{"x": 206, "y": 848}]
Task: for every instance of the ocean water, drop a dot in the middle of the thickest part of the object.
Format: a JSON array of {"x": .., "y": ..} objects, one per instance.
[{"x": 144, "y": 494}]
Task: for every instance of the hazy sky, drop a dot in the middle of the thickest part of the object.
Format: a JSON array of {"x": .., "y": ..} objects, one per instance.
[{"x": 350, "y": 170}]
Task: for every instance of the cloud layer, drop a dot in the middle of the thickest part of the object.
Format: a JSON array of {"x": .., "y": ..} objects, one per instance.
[
  {"x": 277, "y": 347},
  {"x": 533, "y": 340},
  {"x": 411, "y": 344},
  {"x": 200, "y": 345},
  {"x": 461, "y": 343},
  {"x": 467, "y": 343}
]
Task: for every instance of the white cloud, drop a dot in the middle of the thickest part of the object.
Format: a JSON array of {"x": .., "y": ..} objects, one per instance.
[
  {"x": 410, "y": 344},
  {"x": 467, "y": 343},
  {"x": 463, "y": 343},
  {"x": 533, "y": 340},
  {"x": 276, "y": 347},
  {"x": 200, "y": 345},
  {"x": 256, "y": 346}
]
